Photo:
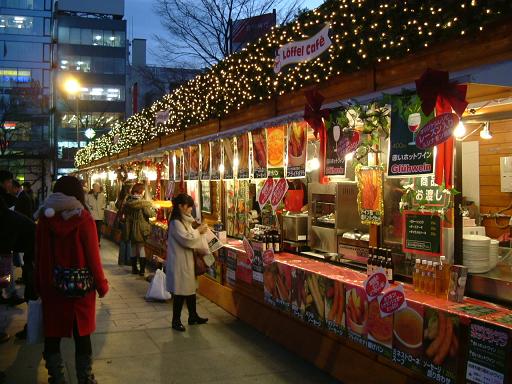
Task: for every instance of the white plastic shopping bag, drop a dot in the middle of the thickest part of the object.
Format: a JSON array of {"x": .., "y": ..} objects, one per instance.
[
  {"x": 157, "y": 287},
  {"x": 35, "y": 332}
]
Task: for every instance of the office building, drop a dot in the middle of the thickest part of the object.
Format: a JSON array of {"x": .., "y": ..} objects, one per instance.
[
  {"x": 25, "y": 88},
  {"x": 90, "y": 57}
]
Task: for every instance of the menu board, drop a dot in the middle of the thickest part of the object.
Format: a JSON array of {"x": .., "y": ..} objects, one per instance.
[
  {"x": 297, "y": 149},
  {"x": 205, "y": 160},
  {"x": 489, "y": 347},
  {"x": 275, "y": 151},
  {"x": 405, "y": 158},
  {"x": 422, "y": 233},
  {"x": 338, "y": 144},
  {"x": 259, "y": 153},
  {"x": 194, "y": 162},
  {"x": 216, "y": 148},
  {"x": 229, "y": 156},
  {"x": 242, "y": 145}
]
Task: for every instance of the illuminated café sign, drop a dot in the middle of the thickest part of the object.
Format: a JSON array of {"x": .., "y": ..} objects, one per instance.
[{"x": 304, "y": 50}]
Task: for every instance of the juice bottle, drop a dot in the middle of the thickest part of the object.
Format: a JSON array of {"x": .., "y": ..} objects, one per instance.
[
  {"x": 445, "y": 277},
  {"x": 416, "y": 275},
  {"x": 423, "y": 275},
  {"x": 438, "y": 279},
  {"x": 429, "y": 286}
]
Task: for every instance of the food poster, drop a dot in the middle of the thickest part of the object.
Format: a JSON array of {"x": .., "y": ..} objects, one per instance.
[
  {"x": 380, "y": 331},
  {"x": 216, "y": 147},
  {"x": 231, "y": 265},
  {"x": 404, "y": 157},
  {"x": 335, "y": 307},
  {"x": 242, "y": 208},
  {"x": 228, "y": 146},
  {"x": 489, "y": 347},
  {"x": 230, "y": 207},
  {"x": 441, "y": 339},
  {"x": 243, "y": 268},
  {"x": 278, "y": 285},
  {"x": 205, "y": 161},
  {"x": 193, "y": 191},
  {"x": 242, "y": 145},
  {"x": 194, "y": 162},
  {"x": 408, "y": 337},
  {"x": 356, "y": 312},
  {"x": 186, "y": 163},
  {"x": 259, "y": 153},
  {"x": 370, "y": 197},
  {"x": 298, "y": 297},
  {"x": 276, "y": 150},
  {"x": 315, "y": 299},
  {"x": 179, "y": 164},
  {"x": 172, "y": 166},
  {"x": 297, "y": 149},
  {"x": 206, "y": 199},
  {"x": 257, "y": 262},
  {"x": 338, "y": 144}
]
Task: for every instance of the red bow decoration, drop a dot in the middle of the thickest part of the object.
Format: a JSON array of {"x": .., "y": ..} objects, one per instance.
[
  {"x": 313, "y": 114},
  {"x": 437, "y": 92},
  {"x": 434, "y": 85}
]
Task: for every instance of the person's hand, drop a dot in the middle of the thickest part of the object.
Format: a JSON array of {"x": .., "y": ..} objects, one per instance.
[{"x": 202, "y": 228}]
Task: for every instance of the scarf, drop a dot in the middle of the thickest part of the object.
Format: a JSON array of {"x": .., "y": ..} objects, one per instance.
[{"x": 68, "y": 206}]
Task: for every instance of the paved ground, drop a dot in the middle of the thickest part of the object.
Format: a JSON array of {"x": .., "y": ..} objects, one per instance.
[{"x": 135, "y": 344}]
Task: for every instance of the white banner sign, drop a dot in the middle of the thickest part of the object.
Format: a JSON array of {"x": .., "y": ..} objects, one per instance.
[{"x": 304, "y": 50}]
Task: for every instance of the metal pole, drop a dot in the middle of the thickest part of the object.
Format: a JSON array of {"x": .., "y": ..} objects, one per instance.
[{"x": 77, "y": 122}]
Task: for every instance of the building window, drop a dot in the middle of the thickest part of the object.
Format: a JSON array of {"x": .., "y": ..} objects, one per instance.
[
  {"x": 95, "y": 120},
  {"x": 16, "y": 25},
  {"x": 22, "y": 4},
  {"x": 102, "y": 93},
  {"x": 97, "y": 37}
]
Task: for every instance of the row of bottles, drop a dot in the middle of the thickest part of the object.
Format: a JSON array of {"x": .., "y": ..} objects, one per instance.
[
  {"x": 431, "y": 277},
  {"x": 380, "y": 258},
  {"x": 269, "y": 238}
]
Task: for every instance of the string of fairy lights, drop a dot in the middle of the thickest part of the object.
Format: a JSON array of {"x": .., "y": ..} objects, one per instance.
[{"x": 363, "y": 32}]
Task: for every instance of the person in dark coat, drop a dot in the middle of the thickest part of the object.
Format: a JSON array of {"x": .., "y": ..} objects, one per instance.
[
  {"x": 27, "y": 187},
  {"x": 66, "y": 237},
  {"x": 6, "y": 188},
  {"x": 24, "y": 204}
]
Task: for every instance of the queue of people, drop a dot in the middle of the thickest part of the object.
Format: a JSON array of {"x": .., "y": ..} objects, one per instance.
[{"x": 70, "y": 219}]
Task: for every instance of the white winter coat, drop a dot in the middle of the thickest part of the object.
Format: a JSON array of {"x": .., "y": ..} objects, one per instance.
[
  {"x": 183, "y": 239},
  {"x": 96, "y": 205}
]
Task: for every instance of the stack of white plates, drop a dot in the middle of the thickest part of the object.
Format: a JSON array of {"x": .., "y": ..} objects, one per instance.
[
  {"x": 493, "y": 253},
  {"x": 476, "y": 253}
]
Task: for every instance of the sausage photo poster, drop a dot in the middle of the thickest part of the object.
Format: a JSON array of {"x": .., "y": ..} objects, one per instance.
[
  {"x": 259, "y": 153},
  {"x": 205, "y": 161},
  {"x": 229, "y": 156},
  {"x": 186, "y": 163},
  {"x": 297, "y": 149},
  {"x": 216, "y": 160},
  {"x": 242, "y": 145},
  {"x": 194, "y": 162}
]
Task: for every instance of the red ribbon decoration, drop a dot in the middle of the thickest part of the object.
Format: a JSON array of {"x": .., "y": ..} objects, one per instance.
[
  {"x": 314, "y": 115},
  {"x": 436, "y": 91}
]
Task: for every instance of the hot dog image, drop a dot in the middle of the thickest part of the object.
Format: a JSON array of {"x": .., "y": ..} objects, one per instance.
[{"x": 259, "y": 146}]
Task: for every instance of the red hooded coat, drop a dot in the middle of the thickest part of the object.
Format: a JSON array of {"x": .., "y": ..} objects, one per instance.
[{"x": 68, "y": 243}]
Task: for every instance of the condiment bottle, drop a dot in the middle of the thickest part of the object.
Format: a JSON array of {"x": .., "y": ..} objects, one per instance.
[
  {"x": 276, "y": 242},
  {"x": 390, "y": 268},
  {"x": 416, "y": 275},
  {"x": 423, "y": 275},
  {"x": 369, "y": 263},
  {"x": 445, "y": 276},
  {"x": 438, "y": 279},
  {"x": 430, "y": 286}
]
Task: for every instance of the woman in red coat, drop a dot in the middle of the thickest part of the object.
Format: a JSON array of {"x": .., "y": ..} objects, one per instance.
[{"x": 66, "y": 237}]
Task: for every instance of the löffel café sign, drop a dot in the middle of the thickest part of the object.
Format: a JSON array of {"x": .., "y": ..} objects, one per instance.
[{"x": 303, "y": 50}]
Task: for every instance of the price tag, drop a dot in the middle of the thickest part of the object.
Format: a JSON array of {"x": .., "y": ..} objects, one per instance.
[{"x": 375, "y": 284}]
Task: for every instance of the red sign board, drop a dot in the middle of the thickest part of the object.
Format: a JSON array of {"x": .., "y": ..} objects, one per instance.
[
  {"x": 266, "y": 192},
  {"x": 437, "y": 130},
  {"x": 280, "y": 189},
  {"x": 392, "y": 301},
  {"x": 375, "y": 284}
]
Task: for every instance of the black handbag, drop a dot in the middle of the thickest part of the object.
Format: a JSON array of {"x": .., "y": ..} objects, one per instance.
[{"x": 72, "y": 282}]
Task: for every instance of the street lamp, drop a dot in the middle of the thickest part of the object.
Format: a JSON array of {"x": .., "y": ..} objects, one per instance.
[{"x": 72, "y": 87}]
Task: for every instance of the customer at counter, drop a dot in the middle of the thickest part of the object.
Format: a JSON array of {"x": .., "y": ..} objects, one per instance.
[
  {"x": 181, "y": 279},
  {"x": 137, "y": 212},
  {"x": 95, "y": 201}
]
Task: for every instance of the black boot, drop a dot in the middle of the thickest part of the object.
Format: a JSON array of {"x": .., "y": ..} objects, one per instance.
[
  {"x": 193, "y": 317},
  {"x": 142, "y": 266},
  {"x": 177, "y": 305},
  {"x": 84, "y": 369},
  {"x": 55, "y": 368},
  {"x": 135, "y": 271}
]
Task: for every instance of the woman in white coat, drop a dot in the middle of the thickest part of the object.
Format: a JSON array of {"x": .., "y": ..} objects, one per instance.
[
  {"x": 181, "y": 279},
  {"x": 95, "y": 201}
]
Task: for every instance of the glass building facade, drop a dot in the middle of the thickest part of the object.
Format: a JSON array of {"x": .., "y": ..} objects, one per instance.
[
  {"x": 26, "y": 142},
  {"x": 92, "y": 50}
]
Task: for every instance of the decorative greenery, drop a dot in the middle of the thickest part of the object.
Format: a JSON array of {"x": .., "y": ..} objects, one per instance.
[{"x": 363, "y": 33}]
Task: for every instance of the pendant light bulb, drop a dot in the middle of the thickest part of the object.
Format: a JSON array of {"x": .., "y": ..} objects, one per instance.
[{"x": 459, "y": 131}]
